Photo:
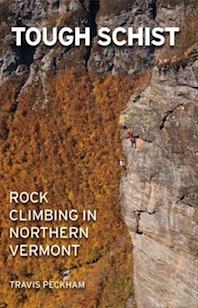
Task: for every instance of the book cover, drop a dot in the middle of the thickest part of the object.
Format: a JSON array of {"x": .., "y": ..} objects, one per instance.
[{"x": 98, "y": 153}]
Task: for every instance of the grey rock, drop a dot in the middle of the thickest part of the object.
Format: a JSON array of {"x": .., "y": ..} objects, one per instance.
[
  {"x": 167, "y": 92},
  {"x": 159, "y": 193},
  {"x": 21, "y": 69},
  {"x": 129, "y": 60},
  {"x": 131, "y": 302},
  {"x": 113, "y": 59},
  {"x": 8, "y": 63},
  {"x": 29, "y": 12},
  {"x": 170, "y": 15},
  {"x": 35, "y": 13}
]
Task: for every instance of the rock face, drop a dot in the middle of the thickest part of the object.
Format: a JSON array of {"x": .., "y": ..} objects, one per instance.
[
  {"x": 159, "y": 192},
  {"x": 126, "y": 59},
  {"x": 75, "y": 13}
]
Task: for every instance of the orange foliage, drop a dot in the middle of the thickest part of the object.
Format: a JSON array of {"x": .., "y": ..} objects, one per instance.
[{"x": 69, "y": 148}]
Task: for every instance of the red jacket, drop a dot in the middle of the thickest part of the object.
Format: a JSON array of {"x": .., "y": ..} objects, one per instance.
[{"x": 129, "y": 135}]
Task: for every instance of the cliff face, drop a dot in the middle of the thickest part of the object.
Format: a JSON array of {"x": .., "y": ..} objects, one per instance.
[
  {"x": 125, "y": 60},
  {"x": 159, "y": 192},
  {"x": 41, "y": 60}
]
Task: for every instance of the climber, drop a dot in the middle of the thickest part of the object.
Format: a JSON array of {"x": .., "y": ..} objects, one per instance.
[
  {"x": 122, "y": 164},
  {"x": 131, "y": 137}
]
